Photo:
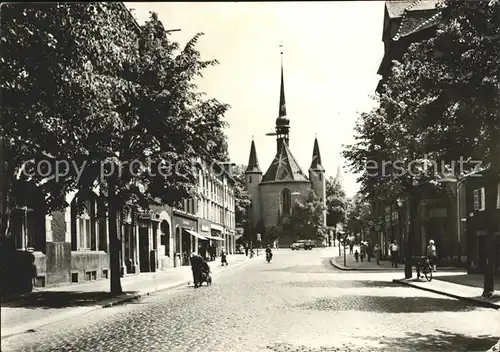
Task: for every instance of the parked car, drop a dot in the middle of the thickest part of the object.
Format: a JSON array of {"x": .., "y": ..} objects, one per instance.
[{"x": 305, "y": 244}]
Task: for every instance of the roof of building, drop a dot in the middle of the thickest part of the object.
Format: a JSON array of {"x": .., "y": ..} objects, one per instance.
[
  {"x": 417, "y": 22},
  {"x": 417, "y": 16},
  {"x": 396, "y": 8},
  {"x": 316, "y": 163},
  {"x": 284, "y": 167},
  {"x": 253, "y": 162}
]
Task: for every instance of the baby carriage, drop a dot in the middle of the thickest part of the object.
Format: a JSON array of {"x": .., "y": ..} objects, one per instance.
[{"x": 205, "y": 275}]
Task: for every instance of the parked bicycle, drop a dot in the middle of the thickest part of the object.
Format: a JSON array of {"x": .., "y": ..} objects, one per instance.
[{"x": 424, "y": 266}]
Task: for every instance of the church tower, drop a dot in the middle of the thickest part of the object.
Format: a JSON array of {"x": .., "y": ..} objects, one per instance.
[
  {"x": 317, "y": 176},
  {"x": 253, "y": 177},
  {"x": 282, "y": 122}
]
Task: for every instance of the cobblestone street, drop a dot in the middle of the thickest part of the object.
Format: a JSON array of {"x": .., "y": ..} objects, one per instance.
[{"x": 299, "y": 302}]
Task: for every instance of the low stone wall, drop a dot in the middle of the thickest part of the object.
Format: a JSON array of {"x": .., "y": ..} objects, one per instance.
[{"x": 89, "y": 266}]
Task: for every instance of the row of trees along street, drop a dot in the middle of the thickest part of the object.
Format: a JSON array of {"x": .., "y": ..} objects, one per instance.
[
  {"x": 83, "y": 82},
  {"x": 440, "y": 102}
]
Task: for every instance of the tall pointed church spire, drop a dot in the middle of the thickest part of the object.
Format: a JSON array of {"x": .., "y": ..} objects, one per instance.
[
  {"x": 282, "y": 122},
  {"x": 316, "y": 157},
  {"x": 338, "y": 176},
  {"x": 282, "y": 107},
  {"x": 253, "y": 162}
]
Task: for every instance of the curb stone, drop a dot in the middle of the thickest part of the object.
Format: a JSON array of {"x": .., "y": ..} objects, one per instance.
[
  {"x": 476, "y": 301},
  {"x": 340, "y": 267},
  {"x": 110, "y": 303}
]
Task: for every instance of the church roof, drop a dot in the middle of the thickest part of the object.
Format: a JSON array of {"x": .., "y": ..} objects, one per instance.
[
  {"x": 396, "y": 8},
  {"x": 253, "y": 162},
  {"x": 316, "y": 158},
  {"x": 284, "y": 167}
]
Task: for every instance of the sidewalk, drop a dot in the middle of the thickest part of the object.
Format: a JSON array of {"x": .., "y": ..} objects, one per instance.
[
  {"x": 43, "y": 307},
  {"x": 365, "y": 265},
  {"x": 462, "y": 286},
  {"x": 385, "y": 265}
]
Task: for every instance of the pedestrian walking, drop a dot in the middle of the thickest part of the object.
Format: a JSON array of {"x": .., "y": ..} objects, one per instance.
[
  {"x": 246, "y": 250},
  {"x": 376, "y": 250},
  {"x": 363, "y": 253},
  {"x": 432, "y": 254},
  {"x": 351, "y": 247},
  {"x": 356, "y": 255},
  {"x": 369, "y": 251},
  {"x": 394, "y": 249},
  {"x": 223, "y": 258},
  {"x": 213, "y": 252}
]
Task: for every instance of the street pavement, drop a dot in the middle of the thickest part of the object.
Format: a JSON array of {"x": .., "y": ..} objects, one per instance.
[
  {"x": 299, "y": 302},
  {"x": 46, "y": 306}
]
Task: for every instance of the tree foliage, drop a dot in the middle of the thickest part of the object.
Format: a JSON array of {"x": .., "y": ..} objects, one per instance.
[
  {"x": 439, "y": 105},
  {"x": 241, "y": 197},
  {"x": 306, "y": 219},
  {"x": 359, "y": 215},
  {"x": 82, "y": 83},
  {"x": 336, "y": 202}
]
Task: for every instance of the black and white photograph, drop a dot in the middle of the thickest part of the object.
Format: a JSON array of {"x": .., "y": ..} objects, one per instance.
[{"x": 293, "y": 176}]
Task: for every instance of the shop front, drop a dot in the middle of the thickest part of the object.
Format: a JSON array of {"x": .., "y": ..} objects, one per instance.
[
  {"x": 204, "y": 229},
  {"x": 216, "y": 238},
  {"x": 186, "y": 238}
]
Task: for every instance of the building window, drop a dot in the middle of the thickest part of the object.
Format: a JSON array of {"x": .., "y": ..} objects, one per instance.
[
  {"x": 479, "y": 199},
  {"x": 85, "y": 229},
  {"x": 286, "y": 201},
  {"x": 498, "y": 195},
  {"x": 320, "y": 176},
  {"x": 249, "y": 179}
]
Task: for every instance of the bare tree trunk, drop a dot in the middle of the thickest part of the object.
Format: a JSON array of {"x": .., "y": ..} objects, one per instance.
[
  {"x": 114, "y": 242},
  {"x": 490, "y": 203}
]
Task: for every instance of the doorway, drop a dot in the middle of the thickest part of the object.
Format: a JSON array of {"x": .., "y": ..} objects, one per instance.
[
  {"x": 144, "y": 249},
  {"x": 186, "y": 247}
]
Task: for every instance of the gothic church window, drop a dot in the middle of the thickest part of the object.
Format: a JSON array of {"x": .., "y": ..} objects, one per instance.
[{"x": 286, "y": 201}]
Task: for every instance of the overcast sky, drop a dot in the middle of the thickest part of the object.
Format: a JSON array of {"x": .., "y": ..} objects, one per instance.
[{"x": 332, "y": 51}]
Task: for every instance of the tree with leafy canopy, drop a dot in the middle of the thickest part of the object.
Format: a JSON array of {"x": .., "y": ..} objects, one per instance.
[
  {"x": 306, "y": 219},
  {"x": 336, "y": 202},
  {"x": 455, "y": 76},
  {"x": 358, "y": 215},
  {"x": 389, "y": 158},
  {"x": 126, "y": 98},
  {"x": 241, "y": 197}
]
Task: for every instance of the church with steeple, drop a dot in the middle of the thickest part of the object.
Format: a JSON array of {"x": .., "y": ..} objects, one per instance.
[{"x": 274, "y": 192}]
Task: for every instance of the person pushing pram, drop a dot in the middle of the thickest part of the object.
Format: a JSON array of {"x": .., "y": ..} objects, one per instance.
[
  {"x": 201, "y": 271},
  {"x": 206, "y": 274}
]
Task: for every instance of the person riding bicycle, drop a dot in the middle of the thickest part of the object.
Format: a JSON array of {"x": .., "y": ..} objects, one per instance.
[{"x": 269, "y": 252}]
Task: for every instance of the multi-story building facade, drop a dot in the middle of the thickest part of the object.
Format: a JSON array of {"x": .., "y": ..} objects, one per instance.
[
  {"x": 475, "y": 218},
  {"x": 208, "y": 220}
]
